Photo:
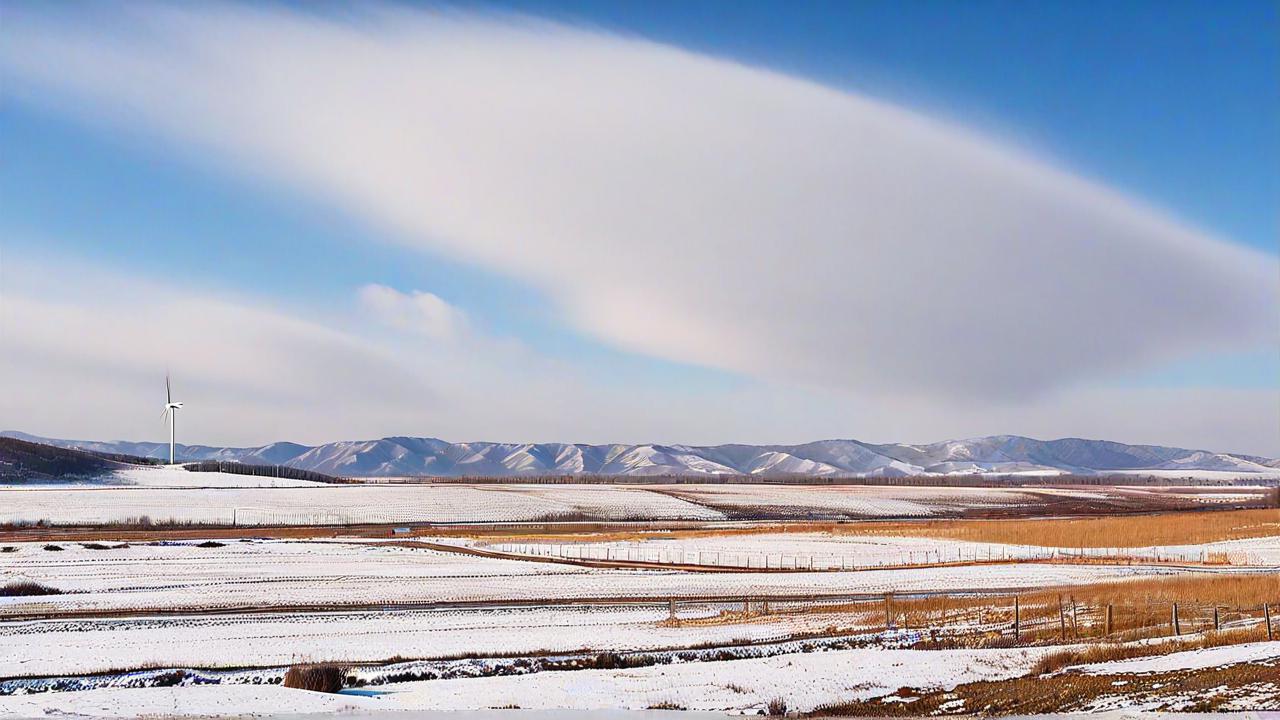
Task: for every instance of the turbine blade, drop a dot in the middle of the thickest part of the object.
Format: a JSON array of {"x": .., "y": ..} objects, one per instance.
[{"x": 168, "y": 394}]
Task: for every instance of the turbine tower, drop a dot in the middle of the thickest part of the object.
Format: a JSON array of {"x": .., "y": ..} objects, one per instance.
[{"x": 170, "y": 413}]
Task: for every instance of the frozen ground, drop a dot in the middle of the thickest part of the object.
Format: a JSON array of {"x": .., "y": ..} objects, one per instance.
[
  {"x": 850, "y": 500},
  {"x": 1187, "y": 660},
  {"x": 67, "y": 647},
  {"x": 820, "y": 550},
  {"x": 1216, "y": 475},
  {"x": 344, "y": 504},
  {"x": 289, "y": 573},
  {"x": 177, "y": 477},
  {"x": 170, "y": 494},
  {"x": 804, "y": 681}
]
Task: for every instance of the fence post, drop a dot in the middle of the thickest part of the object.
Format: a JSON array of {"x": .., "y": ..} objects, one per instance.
[
  {"x": 671, "y": 609},
  {"x": 1216, "y": 624},
  {"x": 1062, "y": 620},
  {"x": 1108, "y": 634},
  {"x": 1266, "y": 611},
  {"x": 888, "y": 616},
  {"x": 1017, "y": 620},
  {"x": 1177, "y": 629}
]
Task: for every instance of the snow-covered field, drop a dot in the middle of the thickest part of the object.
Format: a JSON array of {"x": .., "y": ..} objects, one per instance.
[
  {"x": 822, "y": 551},
  {"x": 344, "y": 504},
  {"x": 1205, "y": 495},
  {"x": 803, "y": 680},
  {"x": 283, "y": 573},
  {"x": 169, "y": 476},
  {"x": 168, "y": 494},
  {"x": 855, "y": 501},
  {"x": 270, "y": 603},
  {"x": 1186, "y": 660},
  {"x": 476, "y": 612},
  {"x": 1214, "y": 475},
  {"x": 61, "y": 647}
]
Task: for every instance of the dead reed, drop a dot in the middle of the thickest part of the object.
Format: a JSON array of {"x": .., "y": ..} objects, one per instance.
[{"x": 324, "y": 678}]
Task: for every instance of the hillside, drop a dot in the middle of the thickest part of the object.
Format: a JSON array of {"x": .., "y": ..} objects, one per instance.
[
  {"x": 25, "y": 461},
  {"x": 1002, "y": 454}
]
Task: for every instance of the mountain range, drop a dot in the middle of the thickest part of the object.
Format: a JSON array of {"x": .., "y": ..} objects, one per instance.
[{"x": 999, "y": 454}]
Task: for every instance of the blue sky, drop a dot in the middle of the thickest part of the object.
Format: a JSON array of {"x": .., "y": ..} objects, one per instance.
[{"x": 1170, "y": 104}]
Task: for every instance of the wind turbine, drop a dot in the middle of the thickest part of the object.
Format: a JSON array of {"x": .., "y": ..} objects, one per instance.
[{"x": 170, "y": 413}]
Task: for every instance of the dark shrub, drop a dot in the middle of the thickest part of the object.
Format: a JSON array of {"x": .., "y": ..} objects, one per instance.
[
  {"x": 53, "y": 548},
  {"x": 777, "y": 706},
  {"x": 211, "y": 544},
  {"x": 170, "y": 679},
  {"x": 317, "y": 678},
  {"x": 24, "y": 588},
  {"x": 608, "y": 661}
]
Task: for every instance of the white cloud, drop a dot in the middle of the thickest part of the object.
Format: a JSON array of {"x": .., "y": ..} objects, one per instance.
[
  {"x": 417, "y": 311},
  {"x": 85, "y": 350},
  {"x": 928, "y": 281},
  {"x": 673, "y": 204}
]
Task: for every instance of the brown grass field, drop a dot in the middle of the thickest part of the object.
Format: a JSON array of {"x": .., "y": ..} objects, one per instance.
[
  {"x": 1130, "y": 531},
  {"x": 1105, "y": 652},
  {"x": 325, "y": 678},
  {"x": 1235, "y": 687},
  {"x": 1139, "y": 608}
]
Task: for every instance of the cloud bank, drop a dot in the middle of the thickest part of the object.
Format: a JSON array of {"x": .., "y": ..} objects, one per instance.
[
  {"x": 85, "y": 350},
  {"x": 672, "y": 204}
]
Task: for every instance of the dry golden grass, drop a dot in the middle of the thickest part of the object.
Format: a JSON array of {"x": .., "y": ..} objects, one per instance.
[
  {"x": 325, "y": 678},
  {"x": 1206, "y": 690},
  {"x": 1140, "y": 609},
  {"x": 1182, "y": 528},
  {"x": 1107, "y": 652}
]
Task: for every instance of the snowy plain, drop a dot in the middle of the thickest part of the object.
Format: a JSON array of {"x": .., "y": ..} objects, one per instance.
[
  {"x": 183, "y": 575},
  {"x": 82, "y": 646},
  {"x": 822, "y": 551},
  {"x": 343, "y": 504},
  {"x": 1198, "y": 659},
  {"x": 164, "y": 494},
  {"x": 805, "y": 681}
]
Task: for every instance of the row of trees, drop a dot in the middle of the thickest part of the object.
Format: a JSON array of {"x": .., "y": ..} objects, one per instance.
[{"x": 277, "y": 471}]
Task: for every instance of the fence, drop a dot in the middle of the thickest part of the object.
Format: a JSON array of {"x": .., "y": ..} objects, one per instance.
[
  {"x": 650, "y": 553},
  {"x": 1026, "y": 619},
  {"x": 1008, "y": 617}
]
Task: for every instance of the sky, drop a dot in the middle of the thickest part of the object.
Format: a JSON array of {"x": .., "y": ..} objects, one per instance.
[{"x": 693, "y": 222}]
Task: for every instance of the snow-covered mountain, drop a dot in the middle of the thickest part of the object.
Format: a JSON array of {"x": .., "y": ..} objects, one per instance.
[{"x": 1000, "y": 454}]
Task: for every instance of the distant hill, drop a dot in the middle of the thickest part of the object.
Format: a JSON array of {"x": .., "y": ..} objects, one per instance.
[
  {"x": 995, "y": 455},
  {"x": 25, "y": 461}
]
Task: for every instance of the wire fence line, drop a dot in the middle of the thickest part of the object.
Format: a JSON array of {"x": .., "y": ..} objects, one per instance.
[
  {"x": 973, "y": 553},
  {"x": 1014, "y": 616}
]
